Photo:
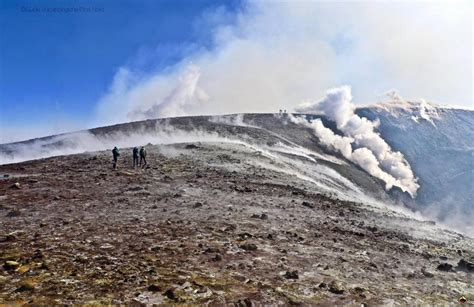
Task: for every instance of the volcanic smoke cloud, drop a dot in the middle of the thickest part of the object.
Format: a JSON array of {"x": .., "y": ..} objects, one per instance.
[
  {"x": 360, "y": 143},
  {"x": 186, "y": 93}
]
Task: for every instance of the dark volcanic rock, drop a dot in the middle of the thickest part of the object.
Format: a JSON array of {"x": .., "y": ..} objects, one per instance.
[
  {"x": 463, "y": 265},
  {"x": 445, "y": 267},
  {"x": 14, "y": 213},
  {"x": 15, "y": 186},
  {"x": 170, "y": 294},
  {"x": 11, "y": 265},
  {"x": 197, "y": 205},
  {"x": 291, "y": 275},
  {"x": 335, "y": 288},
  {"x": 25, "y": 286},
  {"x": 191, "y": 146},
  {"x": 153, "y": 288},
  {"x": 217, "y": 257},
  {"x": 249, "y": 247}
]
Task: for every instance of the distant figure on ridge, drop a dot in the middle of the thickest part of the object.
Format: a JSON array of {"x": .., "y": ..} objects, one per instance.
[
  {"x": 116, "y": 154},
  {"x": 142, "y": 156},
  {"x": 135, "y": 156}
]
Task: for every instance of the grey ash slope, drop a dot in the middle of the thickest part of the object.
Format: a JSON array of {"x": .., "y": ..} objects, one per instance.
[
  {"x": 437, "y": 142},
  {"x": 211, "y": 223},
  {"x": 266, "y": 131},
  {"x": 226, "y": 213}
]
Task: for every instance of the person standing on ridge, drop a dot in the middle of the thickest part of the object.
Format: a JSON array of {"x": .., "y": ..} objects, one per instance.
[
  {"x": 115, "y": 154},
  {"x": 135, "y": 156},
  {"x": 142, "y": 156}
]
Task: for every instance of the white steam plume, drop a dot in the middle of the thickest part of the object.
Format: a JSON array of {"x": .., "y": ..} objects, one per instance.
[
  {"x": 272, "y": 55},
  {"x": 184, "y": 94},
  {"x": 371, "y": 152}
]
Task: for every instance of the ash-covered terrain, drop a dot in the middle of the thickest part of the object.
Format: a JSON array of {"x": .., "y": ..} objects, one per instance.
[{"x": 247, "y": 209}]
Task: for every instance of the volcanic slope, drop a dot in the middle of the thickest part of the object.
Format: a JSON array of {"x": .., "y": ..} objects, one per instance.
[{"x": 265, "y": 217}]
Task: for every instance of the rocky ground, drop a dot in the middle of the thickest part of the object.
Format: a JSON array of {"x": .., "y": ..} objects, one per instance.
[{"x": 201, "y": 224}]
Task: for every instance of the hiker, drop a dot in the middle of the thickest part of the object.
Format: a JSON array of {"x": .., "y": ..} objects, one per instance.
[
  {"x": 116, "y": 154},
  {"x": 135, "y": 156},
  {"x": 142, "y": 156}
]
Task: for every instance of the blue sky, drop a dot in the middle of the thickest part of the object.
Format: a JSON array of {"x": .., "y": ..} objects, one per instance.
[
  {"x": 55, "y": 66},
  {"x": 63, "y": 71}
]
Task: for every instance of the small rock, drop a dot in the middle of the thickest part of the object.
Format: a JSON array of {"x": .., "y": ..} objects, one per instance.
[
  {"x": 244, "y": 303},
  {"x": 307, "y": 204},
  {"x": 335, "y": 288},
  {"x": 25, "y": 286},
  {"x": 463, "y": 265},
  {"x": 155, "y": 248},
  {"x": 11, "y": 265},
  {"x": 15, "y": 186},
  {"x": 191, "y": 146},
  {"x": 445, "y": 267},
  {"x": 426, "y": 273},
  {"x": 38, "y": 254},
  {"x": 217, "y": 257},
  {"x": 372, "y": 228},
  {"x": 211, "y": 250},
  {"x": 359, "y": 289},
  {"x": 44, "y": 266},
  {"x": 291, "y": 275},
  {"x": 249, "y": 247},
  {"x": 245, "y": 235},
  {"x": 153, "y": 288},
  {"x": 10, "y": 237},
  {"x": 197, "y": 205},
  {"x": 136, "y": 188},
  {"x": 170, "y": 294},
  {"x": 14, "y": 213}
]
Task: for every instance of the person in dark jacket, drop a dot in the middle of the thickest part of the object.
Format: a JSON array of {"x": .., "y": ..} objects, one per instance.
[
  {"x": 135, "y": 156},
  {"x": 142, "y": 156},
  {"x": 115, "y": 154}
]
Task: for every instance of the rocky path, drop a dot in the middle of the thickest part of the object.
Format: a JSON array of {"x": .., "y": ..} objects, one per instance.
[{"x": 203, "y": 225}]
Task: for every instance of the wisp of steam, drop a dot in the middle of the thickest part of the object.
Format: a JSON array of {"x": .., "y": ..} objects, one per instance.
[{"x": 361, "y": 143}]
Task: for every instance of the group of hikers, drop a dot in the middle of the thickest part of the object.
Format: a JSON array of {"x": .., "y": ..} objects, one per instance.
[{"x": 135, "y": 154}]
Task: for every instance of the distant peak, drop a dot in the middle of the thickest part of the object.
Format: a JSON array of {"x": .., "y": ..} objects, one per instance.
[{"x": 419, "y": 110}]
